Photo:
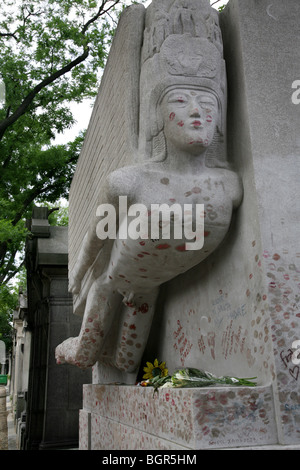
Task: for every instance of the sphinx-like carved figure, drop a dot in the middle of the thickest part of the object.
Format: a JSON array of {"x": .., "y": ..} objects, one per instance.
[{"x": 183, "y": 162}]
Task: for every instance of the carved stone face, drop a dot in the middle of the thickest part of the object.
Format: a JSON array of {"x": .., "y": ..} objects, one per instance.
[{"x": 190, "y": 117}]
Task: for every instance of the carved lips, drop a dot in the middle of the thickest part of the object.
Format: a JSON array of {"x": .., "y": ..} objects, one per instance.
[{"x": 197, "y": 124}]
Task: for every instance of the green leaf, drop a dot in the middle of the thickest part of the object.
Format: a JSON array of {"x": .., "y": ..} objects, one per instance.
[{"x": 191, "y": 377}]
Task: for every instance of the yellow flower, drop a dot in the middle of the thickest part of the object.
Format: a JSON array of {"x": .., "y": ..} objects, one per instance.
[{"x": 155, "y": 369}]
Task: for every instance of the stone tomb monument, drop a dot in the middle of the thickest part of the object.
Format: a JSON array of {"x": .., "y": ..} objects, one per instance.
[
  {"x": 179, "y": 160},
  {"x": 223, "y": 295}
]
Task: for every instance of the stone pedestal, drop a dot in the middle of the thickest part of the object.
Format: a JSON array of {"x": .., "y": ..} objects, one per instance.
[{"x": 129, "y": 417}]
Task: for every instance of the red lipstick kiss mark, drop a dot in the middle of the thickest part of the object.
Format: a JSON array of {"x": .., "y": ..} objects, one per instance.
[
  {"x": 165, "y": 181},
  {"x": 180, "y": 123},
  {"x": 180, "y": 248},
  {"x": 144, "y": 308},
  {"x": 163, "y": 246},
  {"x": 172, "y": 116},
  {"x": 196, "y": 190},
  {"x": 208, "y": 119}
]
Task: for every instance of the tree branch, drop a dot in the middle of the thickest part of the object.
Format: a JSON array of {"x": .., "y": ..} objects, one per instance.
[
  {"x": 93, "y": 19},
  {"x": 9, "y": 266},
  {"x": 38, "y": 190},
  {"x": 8, "y": 35},
  {"x": 7, "y": 277},
  {"x": 31, "y": 197},
  {"x": 9, "y": 120},
  {"x": 44, "y": 83},
  {"x": 50, "y": 211},
  {"x": 3, "y": 250},
  {"x": 101, "y": 11}
]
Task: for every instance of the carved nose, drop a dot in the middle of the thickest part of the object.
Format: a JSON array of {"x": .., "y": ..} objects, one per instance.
[{"x": 195, "y": 112}]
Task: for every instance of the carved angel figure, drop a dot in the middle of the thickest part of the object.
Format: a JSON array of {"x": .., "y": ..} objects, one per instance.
[{"x": 183, "y": 113}]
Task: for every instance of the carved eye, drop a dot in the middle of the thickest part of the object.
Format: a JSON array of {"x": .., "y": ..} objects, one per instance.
[
  {"x": 180, "y": 100},
  {"x": 208, "y": 106}
]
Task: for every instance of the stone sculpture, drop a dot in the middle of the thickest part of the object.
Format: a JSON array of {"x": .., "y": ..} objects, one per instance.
[{"x": 181, "y": 161}]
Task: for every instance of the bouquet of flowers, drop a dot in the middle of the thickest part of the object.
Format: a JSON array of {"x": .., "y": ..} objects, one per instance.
[{"x": 190, "y": 377}]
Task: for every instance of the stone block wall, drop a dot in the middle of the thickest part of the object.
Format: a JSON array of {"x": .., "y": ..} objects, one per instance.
[{"x": 112, "y": 133}]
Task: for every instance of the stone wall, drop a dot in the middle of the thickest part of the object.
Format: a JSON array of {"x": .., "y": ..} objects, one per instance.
[{"x": 111, "y": 138}]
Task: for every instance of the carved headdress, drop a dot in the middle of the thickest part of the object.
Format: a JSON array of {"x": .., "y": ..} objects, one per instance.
[{"x": 182, "y": 49}]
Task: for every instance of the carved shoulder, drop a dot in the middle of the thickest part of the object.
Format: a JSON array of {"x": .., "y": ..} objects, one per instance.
[
  {"x": 236, "y": 188},
  {"x": 122, "y": 182}
]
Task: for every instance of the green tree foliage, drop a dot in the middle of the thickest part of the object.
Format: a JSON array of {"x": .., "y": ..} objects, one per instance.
[
  {"x": 8, "y": 303},
  {"x": 58, "y": 215},
  {"x": 51, "y": 54}
]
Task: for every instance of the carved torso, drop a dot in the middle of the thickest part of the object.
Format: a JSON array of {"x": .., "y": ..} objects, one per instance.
[{"x": 142, "y": 264}]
